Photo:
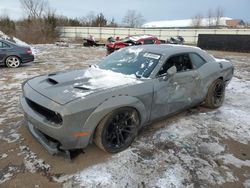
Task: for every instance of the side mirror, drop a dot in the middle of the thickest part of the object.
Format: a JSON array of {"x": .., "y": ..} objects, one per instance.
[{"x": 172, "y": 70}]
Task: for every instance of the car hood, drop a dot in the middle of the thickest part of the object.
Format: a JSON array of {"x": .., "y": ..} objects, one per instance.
[{"x": 63, "y": 87}]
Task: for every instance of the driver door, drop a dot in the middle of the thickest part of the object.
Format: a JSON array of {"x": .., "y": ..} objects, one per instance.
[{"x": 173, "y": 93}]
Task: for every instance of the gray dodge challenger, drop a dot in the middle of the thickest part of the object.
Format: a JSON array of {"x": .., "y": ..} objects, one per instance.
[{"x": 109, "y": 102}]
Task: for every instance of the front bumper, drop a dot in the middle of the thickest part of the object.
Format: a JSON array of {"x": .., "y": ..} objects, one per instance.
[
  {"x": 53, "y": 138},
  {"x": 51, "y": 147}
]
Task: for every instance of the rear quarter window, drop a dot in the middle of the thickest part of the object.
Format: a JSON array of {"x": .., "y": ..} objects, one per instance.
[
  {"x": 196, "y": 60},
  {"x": 4, "y": 45},
  {"x": 149, "y": 41}
]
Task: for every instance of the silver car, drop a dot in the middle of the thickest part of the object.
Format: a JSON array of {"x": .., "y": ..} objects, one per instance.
[{"x": 108, "y": 103}]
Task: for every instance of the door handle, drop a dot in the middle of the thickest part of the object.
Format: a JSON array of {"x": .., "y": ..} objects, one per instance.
[{"x": 196, "y": 77}]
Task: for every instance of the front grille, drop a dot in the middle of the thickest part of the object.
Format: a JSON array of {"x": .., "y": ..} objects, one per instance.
[{"x": 48, "y": 114}]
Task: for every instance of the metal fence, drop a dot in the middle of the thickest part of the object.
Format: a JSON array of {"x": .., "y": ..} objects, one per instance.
[
  {"x": 235, "y": 43},
  {"x": 102, "y": 33}
]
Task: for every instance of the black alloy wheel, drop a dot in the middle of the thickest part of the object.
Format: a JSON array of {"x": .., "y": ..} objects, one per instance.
[{"x": 117, "y": 130}]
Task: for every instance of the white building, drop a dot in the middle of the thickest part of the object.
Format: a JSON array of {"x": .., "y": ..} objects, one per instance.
[{"x": 187, "y": 23}]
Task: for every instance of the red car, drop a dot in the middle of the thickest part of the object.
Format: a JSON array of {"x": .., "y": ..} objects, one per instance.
[{"x": 130, "y": 41}]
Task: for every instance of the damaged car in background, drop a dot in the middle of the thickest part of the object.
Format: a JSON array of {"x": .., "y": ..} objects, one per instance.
[
  {"x": 132, "y": 40},
  {"x": 110, "y": 102}
]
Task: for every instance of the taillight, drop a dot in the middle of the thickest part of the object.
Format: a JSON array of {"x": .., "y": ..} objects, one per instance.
[{"x": 28, "y": 51}]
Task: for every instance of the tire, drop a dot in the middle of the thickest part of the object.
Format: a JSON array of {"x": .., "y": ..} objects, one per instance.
[
  {"x": 216, "y": 94},
  {"x": 12, "y": 62},
  {"x": 117, "y": 130}
]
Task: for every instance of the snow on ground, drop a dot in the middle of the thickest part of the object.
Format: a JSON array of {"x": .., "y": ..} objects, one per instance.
[
  {"x": 247, "y": 183},
  {"x": 3, "y": 156},
  {"x": 230, "y": 159},
  {"x": 32, "y": 162},
  {"x": 187, "y": 150},
  {"x": 9, "y": 172}
]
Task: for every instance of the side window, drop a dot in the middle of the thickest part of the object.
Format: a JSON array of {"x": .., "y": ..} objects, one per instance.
[
  {"x": 4, "y": 45},
  {"x": 182, "y": 63},
  {"x": 197, "y": 61},
  {"x": 148, "y": 41}
]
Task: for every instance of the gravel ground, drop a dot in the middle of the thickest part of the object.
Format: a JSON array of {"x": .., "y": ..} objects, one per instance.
[{"x": 196, "y": 148}]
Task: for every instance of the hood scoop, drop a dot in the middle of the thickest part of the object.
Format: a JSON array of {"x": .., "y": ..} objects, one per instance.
[
  {"x": 52, "y": 81},
  {"x": 82, "y": 88}
]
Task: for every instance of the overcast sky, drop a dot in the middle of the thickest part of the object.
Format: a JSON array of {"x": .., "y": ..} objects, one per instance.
[{"x": 151, "y": 10}]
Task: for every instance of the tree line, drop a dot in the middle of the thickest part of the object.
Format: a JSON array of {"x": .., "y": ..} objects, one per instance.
[
  {"x": 39, "y": 25},
  {"x": 213, "y": 18}
]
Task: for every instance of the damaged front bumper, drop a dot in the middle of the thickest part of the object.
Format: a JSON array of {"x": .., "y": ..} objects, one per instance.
[
  {"x": 56, "y": 138},
  {"x": 51, "y": 147}
]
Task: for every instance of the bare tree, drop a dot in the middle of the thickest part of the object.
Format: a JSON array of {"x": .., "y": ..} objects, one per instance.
[
  {"x": 100, "y": 21},
  {"x": 6, "y": 24},
  {"x": 40, "y": 26},
  {"x": 210, "y": 16},
  {"x": 112, "y": 23},
  {"x": 133, "y": 18},
  {"x": 218, "y": 14},
  {"x": 88, "y": 19},
  {"x": 197, "y": 21},
  {"x": 35, "y": 8}
]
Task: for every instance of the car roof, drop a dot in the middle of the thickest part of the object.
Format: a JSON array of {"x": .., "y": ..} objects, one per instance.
[
  {"x": 7, "y": 41},
  {"x": 13, "y": 43},
  {"x": 171, "y": 49},
  {"x": 140, "y": 37},
  {"x": 167, "y": 48}
]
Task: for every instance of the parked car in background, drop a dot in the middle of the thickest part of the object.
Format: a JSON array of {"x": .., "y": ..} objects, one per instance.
[
  {"x": 113, "y": 45},
  {"x": 90, "y": 41},
  {"x": 176, "y": 40},
  {"x": 109, "y": 102},
  {"x": 13, "y": 55}
]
